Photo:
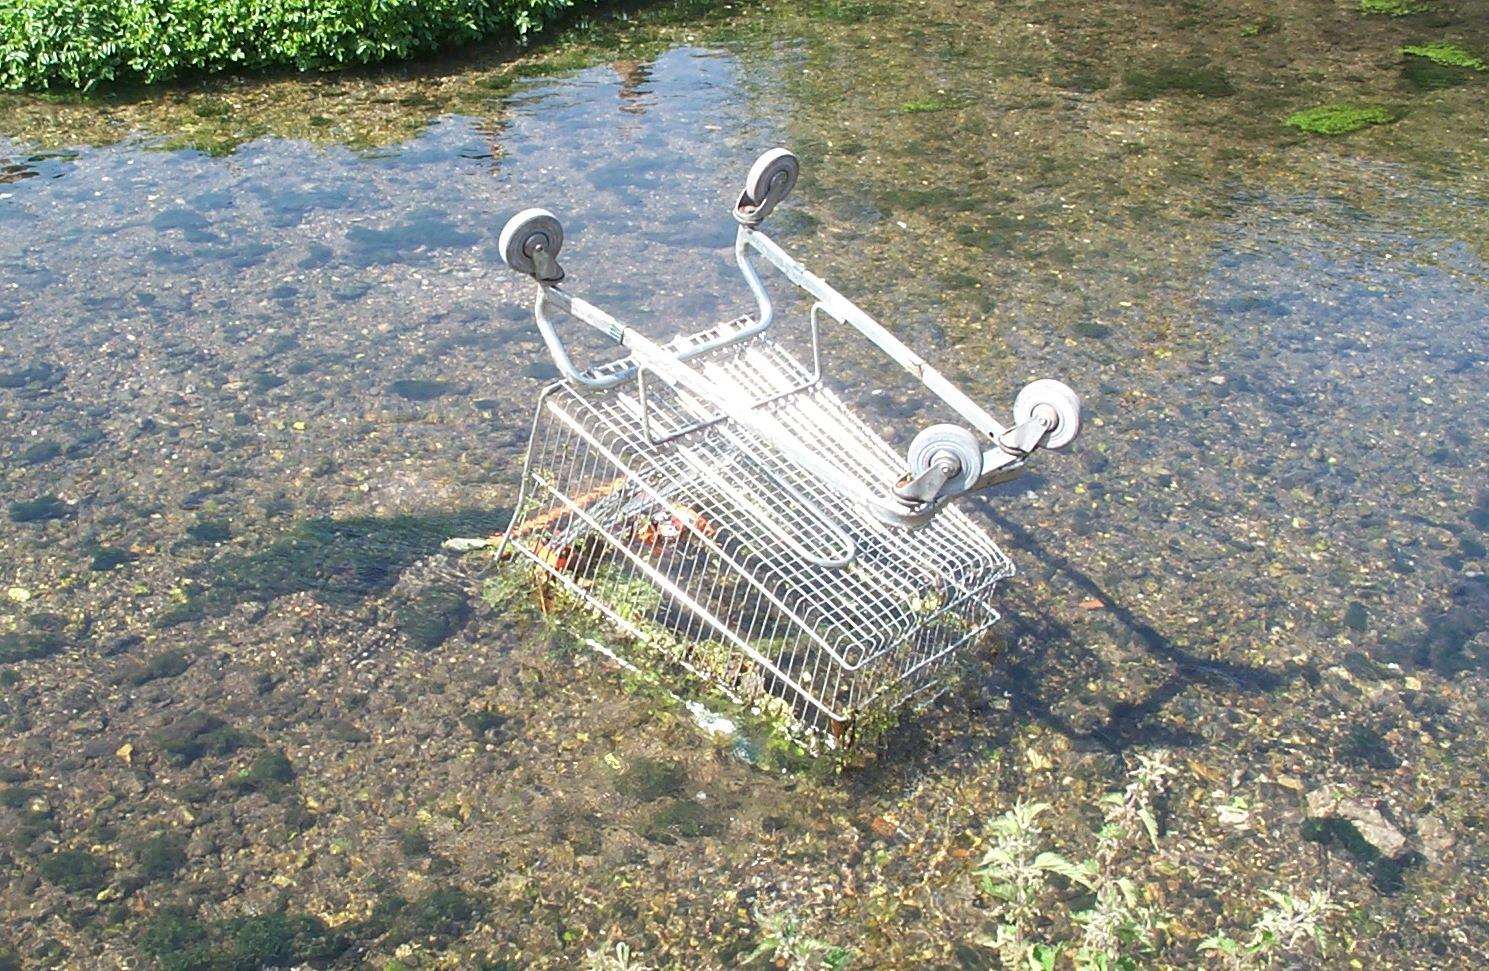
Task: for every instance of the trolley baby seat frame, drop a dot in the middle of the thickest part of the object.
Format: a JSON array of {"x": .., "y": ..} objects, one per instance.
[{"x": 718, "y": 504}]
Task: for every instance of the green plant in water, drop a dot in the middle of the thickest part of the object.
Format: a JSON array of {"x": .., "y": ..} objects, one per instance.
[
  {"x": 1339, "y": 119},
  {"x": 617, "y": 958},
  {"x": 1448, "y": 55},
  {"x": 922, "y": 105},
  {"x": 1118, "y": 928},
  {"x": 1288, "y": 929},
  {"x": 784, "y": 940}
]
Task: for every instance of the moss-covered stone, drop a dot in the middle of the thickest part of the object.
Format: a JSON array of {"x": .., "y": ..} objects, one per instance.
[
  {"x": 200, "y": 733},
  {"x": 647, "y": 779},
  {"x": 681, "y": 819},
  {"x": 433, "y": 615},
  {"x": 269, "y": 770},
  {"x": 39, "y": 510},
  {"x": 75, "y": 871},
  {"x": 16, "y": 646},
  {"x": 1190, "y": 76},
  {"x": 180, "y": 941},
  {"x": 160, "y": 856}
]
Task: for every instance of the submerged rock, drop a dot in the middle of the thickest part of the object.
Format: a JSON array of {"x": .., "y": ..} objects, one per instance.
[{"x": 1332, "y": 802}]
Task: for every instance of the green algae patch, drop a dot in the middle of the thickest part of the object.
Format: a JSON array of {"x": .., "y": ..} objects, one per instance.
[
  {"x": 1391, "y": 8},
  {"x": 1339, "y": 119},
  {"x": 1448, "y": 55}
]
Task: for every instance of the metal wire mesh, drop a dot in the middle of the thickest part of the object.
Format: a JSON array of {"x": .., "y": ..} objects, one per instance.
[{"x": 707, "y": 547}]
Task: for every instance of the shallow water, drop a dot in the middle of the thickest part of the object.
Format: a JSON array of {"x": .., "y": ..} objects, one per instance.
[{"x": 246, "y": 390}]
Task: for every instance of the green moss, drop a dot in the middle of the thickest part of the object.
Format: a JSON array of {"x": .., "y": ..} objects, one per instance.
[
  {"x": 1339, "y": 119},
  {"x": 921, "y": 105},
  {"x": 1448, "y": 55},
  {"x": 16, "y": 647},
  {"x": 200, "y": 733},
  {"x": 109, "y": 557},
  {"x": 39, "y": 510},
  {"x": 179, "y": 941},
  {"x": 269, "y": 770},
  {"x": 161, "y": 855},
  {"x": 647, "y": 779},
  {"x": 1190, "y": 76},
  {"x": 681, "y": 819},
  {"x": 341, "y": 560},
  {"x": 432, "y": 616},
  {"x": 74, "y": 870}
]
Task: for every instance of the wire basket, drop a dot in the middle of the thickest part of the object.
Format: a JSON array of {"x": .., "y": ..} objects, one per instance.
[{"x": 715, "y": 502}]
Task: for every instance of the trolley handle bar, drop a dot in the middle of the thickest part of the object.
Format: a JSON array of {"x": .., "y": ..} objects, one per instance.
[{"x": 845, "y": 311}]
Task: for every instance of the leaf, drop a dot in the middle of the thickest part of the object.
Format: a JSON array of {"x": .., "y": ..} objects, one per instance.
[
  {"x": 1150, "y": 824},
  {"x": 1082, "y": 873}
]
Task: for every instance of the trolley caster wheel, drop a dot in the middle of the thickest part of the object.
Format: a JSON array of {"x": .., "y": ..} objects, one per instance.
[
  {"x": 939, "y": 441},
  {"x": 1057, "y": 397},
  {"x": 770, "y": 181},
  {"x": 530, "y": 242}
]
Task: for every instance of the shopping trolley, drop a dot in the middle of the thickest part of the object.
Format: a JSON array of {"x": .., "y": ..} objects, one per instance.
[{"x": 730, "y": 518}]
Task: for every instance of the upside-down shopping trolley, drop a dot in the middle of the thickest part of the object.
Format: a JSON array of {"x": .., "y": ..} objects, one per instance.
[{"x": 723, "y": 509}]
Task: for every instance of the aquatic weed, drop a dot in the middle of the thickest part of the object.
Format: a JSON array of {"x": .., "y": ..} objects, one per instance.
[
  {"x": 1289, "y": 928},
  {"x": 1190, "y": 76},
  {"x": 785, "y": 941},
  {"x": 1339, "y": 119},
  {"x": 617, "y": 958},
  {"x": 74, "y": 870}
]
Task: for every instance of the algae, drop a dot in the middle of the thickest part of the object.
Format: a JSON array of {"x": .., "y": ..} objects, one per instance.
[
  {"x": 1339, "y": 119},
  {"x": 1448, "y": 55}
]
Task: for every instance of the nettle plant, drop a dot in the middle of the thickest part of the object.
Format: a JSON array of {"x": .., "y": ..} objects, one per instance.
[{"x": 1115, "y": 927}]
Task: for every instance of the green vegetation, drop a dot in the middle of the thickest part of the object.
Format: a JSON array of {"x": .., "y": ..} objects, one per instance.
[
  {"x": 1050, "y": 907},
  {"x": 1191, "y": 76},
  {"x": 74, "y": 870},
  {"x": 47, "y": 44},
  {"x": 269, "y": 771},
  {"x": 200, "y": 733},
  {"x": 648, "y": 779},
  {"x": 1448, "y": 55},
  {"x": 15, "y": 646},
  {"x": 1391, "y": 8},
  {"x": 1339, "y": 119},
  {"x": 179, "y": 941},
  {"x": 786, "y": 943},
  {"x": 39, "y": 510},
  {"x": 921, "y": 105},
  {"x": 161, "y": 855}
]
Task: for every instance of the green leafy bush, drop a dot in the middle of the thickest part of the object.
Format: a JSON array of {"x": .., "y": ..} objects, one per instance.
[{"x": 83, "y": 43}]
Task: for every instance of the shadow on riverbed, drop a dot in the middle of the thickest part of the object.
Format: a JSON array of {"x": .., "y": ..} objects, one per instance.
[
  {"x": 1020, "y": 674},
  {"x": 340, "y": 561}
]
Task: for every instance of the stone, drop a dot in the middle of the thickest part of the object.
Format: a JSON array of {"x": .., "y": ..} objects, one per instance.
[
  {"x": 1434, "y": 837},
  {"x": 1332, "y": 802}
]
